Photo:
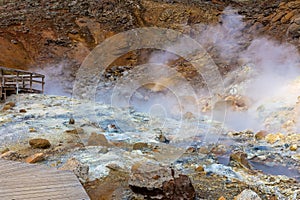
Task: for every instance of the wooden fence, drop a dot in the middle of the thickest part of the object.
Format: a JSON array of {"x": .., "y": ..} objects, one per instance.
[{"x": 14, "y": 81}]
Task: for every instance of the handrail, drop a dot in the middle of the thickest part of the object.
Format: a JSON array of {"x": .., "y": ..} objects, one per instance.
[
  {"x": 20, "y": 81},
  {"x": 20, "y": 71}
]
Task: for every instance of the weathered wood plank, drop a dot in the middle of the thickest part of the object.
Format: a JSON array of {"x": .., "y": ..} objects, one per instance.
[{"x": 30, "y": 181}]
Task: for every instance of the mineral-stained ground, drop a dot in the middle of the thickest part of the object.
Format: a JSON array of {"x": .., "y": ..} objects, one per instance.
[{"x": 149, "y": 124}]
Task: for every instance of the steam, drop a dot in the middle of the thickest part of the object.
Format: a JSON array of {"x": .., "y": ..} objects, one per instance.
[
  {"x": 59, "y": 78},
  {"x": 226, "y": 38},
  {"x": 263, "y": 68},
  {"x": 162, "y": 58},
  {"x": 272, "y": 67},
  {"x": 277, "y": 64}
]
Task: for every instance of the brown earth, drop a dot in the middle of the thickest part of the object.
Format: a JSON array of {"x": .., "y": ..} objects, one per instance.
[{"x": 36, "y": 33}]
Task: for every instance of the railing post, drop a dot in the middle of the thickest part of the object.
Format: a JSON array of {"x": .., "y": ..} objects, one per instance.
[
  {"x": 17, "y": 83},
  {"x": 2, "y": 78},
  {"x": 30, "y": 82},
  {"x": 43, "y": 83},
  {"x": 23, "y": 82}
]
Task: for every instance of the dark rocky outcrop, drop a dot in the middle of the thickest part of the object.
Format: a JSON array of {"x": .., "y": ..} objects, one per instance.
[{"x": 158, "y": 182}]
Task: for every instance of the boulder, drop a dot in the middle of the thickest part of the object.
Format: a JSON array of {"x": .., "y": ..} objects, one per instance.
[
  {"x": 140, "y": 146},
  {"x": 11, "y": 104},
  {"x": 294, "y": 30},
  {"x": 239, "y": 159},
  {"x": 247, "y": 195},
  {"x": 260, "y": 135},
  {"x": 97, "y": 140},
  {"x": 35, "y": 158},
  {"x": 75, "y": 131},
  {"x": 294, "y": 147},
  {"x": 39, "y": 143},
  {"x": 8, "y": 106},
  {"x": 71, "y": 121},
  {"x": 22, "y": 111},
  {"x": 79, "y": 169},
  {"x": 161, "y": 182}
]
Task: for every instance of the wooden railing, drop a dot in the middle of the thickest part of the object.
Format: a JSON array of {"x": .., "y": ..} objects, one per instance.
[{"x": 20, "y": 81}]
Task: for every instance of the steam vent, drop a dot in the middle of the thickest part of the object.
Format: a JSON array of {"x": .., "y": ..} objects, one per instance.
[{"x": 150, "y": 99}]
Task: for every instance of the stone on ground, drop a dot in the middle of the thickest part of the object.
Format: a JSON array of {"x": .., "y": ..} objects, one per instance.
[
  {"x": 39, "y": 143},
  {"x": 248, "y": 195},
  {"x": 80, "y": 170},
  {"x": 97, "y": 140}
]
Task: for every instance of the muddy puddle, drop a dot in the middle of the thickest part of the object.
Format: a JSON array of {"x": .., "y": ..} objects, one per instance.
[{"x": 268, "y": 168}]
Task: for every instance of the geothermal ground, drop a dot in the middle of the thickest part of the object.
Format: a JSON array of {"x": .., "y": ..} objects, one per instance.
[{"x": 154, "y": 99}]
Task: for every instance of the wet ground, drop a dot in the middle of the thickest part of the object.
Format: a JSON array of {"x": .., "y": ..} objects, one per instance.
[{"x": 270, "y": 169}]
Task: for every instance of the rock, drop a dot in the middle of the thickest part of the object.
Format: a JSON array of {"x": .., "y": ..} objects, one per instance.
[
  {"x": 6, "y": 107},
  {"x": 190, "y": 150},
  {"x": 277, "y": 17},
  {"x": 162, "y": 138},
  {"x": 199, "y": 169},
  {"x": 203, "y": 150},
  {"x": 247, "y": 195},
  {"x": 4, "y": 150},
  {"x": 35, "y": 158},
  {"x": 97, "y": 140},
  {"x": 260, "y": 135},
  {"x": 219, "y": 150},
  {"x": 297, "y": 20},
  {"x": 239, "y": 159},
  {"x": 79, "y": 169},
  {"x": 272, "y": 138},
  {"x": 71, "y": 121},
  {"x": 22, "y": 111},
  {"x": 140, "y": 146},
  {"x": 293, "y": 147},
  {"x": 114, "y": 167},
  {"x": 155, "y": 181},
  {"x": 179, "y": 188},
  {"x": 294, "y": 30},
  {"x": 103, "y": 150},
  {"x": 293, "y": 4},
  {"x": 11, "y": 104},
  {"x": 75, "y": 131},
  {"x": 189, "y": 116},
  {"x": 287, "y": 17},
  {"x": 32, "y": 130},
  {"x": 10, "y": 155},
  {"x": 39, "y": 143}
]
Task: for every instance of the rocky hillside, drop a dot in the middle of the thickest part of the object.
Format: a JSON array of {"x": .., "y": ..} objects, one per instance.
[{"x": 39, "y": 33}]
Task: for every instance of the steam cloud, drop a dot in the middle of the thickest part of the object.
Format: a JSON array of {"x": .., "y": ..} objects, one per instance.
[
  {"x": 272, "y": 65},
  {"x": 59, "y": 78}
]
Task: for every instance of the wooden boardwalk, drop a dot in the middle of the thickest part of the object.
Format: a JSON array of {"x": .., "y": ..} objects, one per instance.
[
  {"x": 22, "y": 181},
  {"x": 13, "y": 81}
]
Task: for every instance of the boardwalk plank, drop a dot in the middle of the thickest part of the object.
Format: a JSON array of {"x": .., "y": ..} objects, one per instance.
[{"x": 28, "y": 181}]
